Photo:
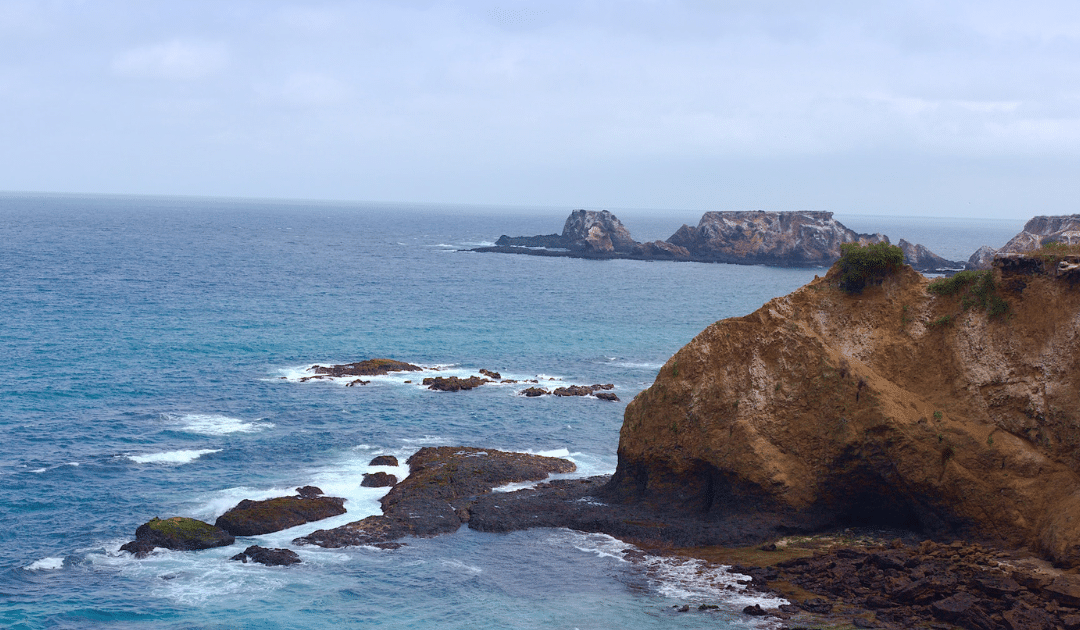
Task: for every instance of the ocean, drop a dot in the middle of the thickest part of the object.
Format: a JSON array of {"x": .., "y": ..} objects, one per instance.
[{"x": 153, "y": 350}]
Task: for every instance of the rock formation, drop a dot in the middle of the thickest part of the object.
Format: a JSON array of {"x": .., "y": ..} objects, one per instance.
[
  {"x": 795, "y": 239},
  {"x": 177, "y": 533},
  {"x": 370, "y": 367},
  {"x": 787, "y": 239},
  {"x": 1036, "y": 233},
  {"x": 435, "y": 498},
  {"x": 269, "y": 557},
  {"x": 895, "y": 407},
  {"x": 252, "y": 518}
]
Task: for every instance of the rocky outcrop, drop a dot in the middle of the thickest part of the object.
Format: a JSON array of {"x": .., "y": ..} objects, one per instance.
[
  {"x": 1042, "y": 230},
  {"x": 983, "y": 258},
  {"x": 252, "y": 518},
  {"x": 370, "y": 367},
  {"x": 585, "y": 231},
  {"x": 435, "y": 498},
  {"x": 799, "y": 239},
  {"x": 896, "y": 407},
  {"x": 383, "y": 460},
  {"x": 787, "y": 239},
  {"x": 177, "y": 533},
  {"x": 922, "y": 259},
  {"x": 453, "y": 383},
  {"x": 269, "y": 557}
]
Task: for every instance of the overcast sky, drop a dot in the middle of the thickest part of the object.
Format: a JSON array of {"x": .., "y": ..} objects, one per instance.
[{"x": 911, "y": 108}]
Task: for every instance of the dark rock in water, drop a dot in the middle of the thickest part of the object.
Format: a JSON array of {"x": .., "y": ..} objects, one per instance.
[
  {"x": 371, "y": 367},
  {"x": 550, "y": 241},
  {"x": 436, "y": 497},
  {"x": 607, "y": 396},
  {"x": 252, "y": 518},
  {"x": 600, "y": 387},
  {"x": 453, "y": 383},
  {"x": 533, "y": 392},
  {"x": 754, "y": 610},
  {"x": 384, "y": 460},
  {"x": 573, "y": 390},
  {"x": 378, "y": 480},
  {"x": 356, "y": 382},
  {"x": 492, "y": 375},
  {"x": 177, "y": 533},
  {"x": 308, "y": 492},
  {"x": 269, "y": 557},
  {"x": 922, "y": 259}
]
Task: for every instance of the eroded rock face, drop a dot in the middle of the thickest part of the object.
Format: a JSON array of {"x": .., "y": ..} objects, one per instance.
[
  {"x": 922, "y": 259},
  {"x": 596, "y": 231},
  {"x": 252, "y": 518},
  {"x": 771, "y": 238},
  {"x": 983, "y": 258},
  {"x": 177, "y": 533},
  {"x": 435, "y": 498},
  {"x": 1041, "y": 230},
  {"x": 823, "y": 409}
]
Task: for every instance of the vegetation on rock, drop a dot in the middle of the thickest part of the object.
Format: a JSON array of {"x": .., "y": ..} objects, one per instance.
[
  {"x": 860, "y": 265},
  {"x": 977, "y": 289}
]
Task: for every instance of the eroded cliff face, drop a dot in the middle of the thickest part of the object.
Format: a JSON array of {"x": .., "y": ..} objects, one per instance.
[
  {"x": 596, "y": 231},
  {"x": 893, "y": 407},
  {"x": 785, "y": 238}
]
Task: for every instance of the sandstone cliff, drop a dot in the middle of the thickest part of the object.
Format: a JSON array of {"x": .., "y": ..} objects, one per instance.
[{"x": 893, "y": 407}]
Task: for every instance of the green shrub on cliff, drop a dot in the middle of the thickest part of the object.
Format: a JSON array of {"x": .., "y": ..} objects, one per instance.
[
  {"x": 870, "y": 264},
  {"x": 977, "y": 289}
]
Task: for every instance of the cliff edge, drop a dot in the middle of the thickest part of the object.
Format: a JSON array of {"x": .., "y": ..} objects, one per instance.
[{"x": 954, "y": 413}]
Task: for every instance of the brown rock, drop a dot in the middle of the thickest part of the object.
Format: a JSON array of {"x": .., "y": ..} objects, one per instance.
[
  {"x": 492, "y": 375},
  {"x": 533, "y": 392},
  {"x": 607, "y": 396},
  {"x": 454, "y": 383},
  {"x": 371, "y": 367},
  {"x": 573, "y": 390},
  {"x": 252, "y": 518},
  {"x": 1065, "y": 589},
  {"x": 378, "y": 480},
  {"x": 384, "y": 460},
  {"x": 177, "y": 533}
]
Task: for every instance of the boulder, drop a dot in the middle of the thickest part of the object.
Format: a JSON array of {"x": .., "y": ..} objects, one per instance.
[
  {"x": 573, "y": 390},
  {"x": 823, "y": 410},
  {"x": 492, "y": 375},
  {"x": 269, "y": 557},
  {"x": 378, "y": 480},
  {"x": 383, "y": 460},
  {"x": 177, "y": 533},
  {"x": 533, "y": 392},
  {"x": 252, "y": 518},
  {"x": 607, "y": 396},
  {"x": 435, "y": 498},
  {"x": 370, "y": 367}
]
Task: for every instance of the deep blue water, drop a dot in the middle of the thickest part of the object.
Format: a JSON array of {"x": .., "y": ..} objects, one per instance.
[{"x": 152, "y": 349}]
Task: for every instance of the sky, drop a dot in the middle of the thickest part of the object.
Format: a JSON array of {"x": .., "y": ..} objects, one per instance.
[{"x": 914, "y": 108}]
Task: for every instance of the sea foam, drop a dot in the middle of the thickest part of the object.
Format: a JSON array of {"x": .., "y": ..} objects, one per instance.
[
  {"x": 172, "y": 457},
  {"x": 46, "y": 564},
  {"x": 214, "y": 424}
]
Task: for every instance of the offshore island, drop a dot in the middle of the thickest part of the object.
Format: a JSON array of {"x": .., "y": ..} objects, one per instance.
[{"x": 946, "y": 411}]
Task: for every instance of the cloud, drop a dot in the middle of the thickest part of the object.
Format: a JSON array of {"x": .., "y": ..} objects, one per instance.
[{"x": 174, "y": 60}]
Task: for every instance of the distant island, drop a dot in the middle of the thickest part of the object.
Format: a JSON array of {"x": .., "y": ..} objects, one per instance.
[{"x": 781, "y": 239}]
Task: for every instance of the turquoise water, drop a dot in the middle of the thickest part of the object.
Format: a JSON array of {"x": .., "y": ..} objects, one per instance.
[{"x": 153, "y": 349}]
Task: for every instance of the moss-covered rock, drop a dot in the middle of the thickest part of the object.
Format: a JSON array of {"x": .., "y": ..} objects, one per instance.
[{"x": 178, "y": 533}]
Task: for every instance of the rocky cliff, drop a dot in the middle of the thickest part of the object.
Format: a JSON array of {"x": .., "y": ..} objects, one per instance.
[
  {"x": 1036, "y": 233},
  {"x": 586, "y": 231},
  {"x": 802, "y": 239},
  {"x": 895, "y": 407}
]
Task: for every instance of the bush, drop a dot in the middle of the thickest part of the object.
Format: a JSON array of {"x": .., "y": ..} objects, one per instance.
[
  {"x": 977, "y": 289},
  {"x": 861, "y": 265}
]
